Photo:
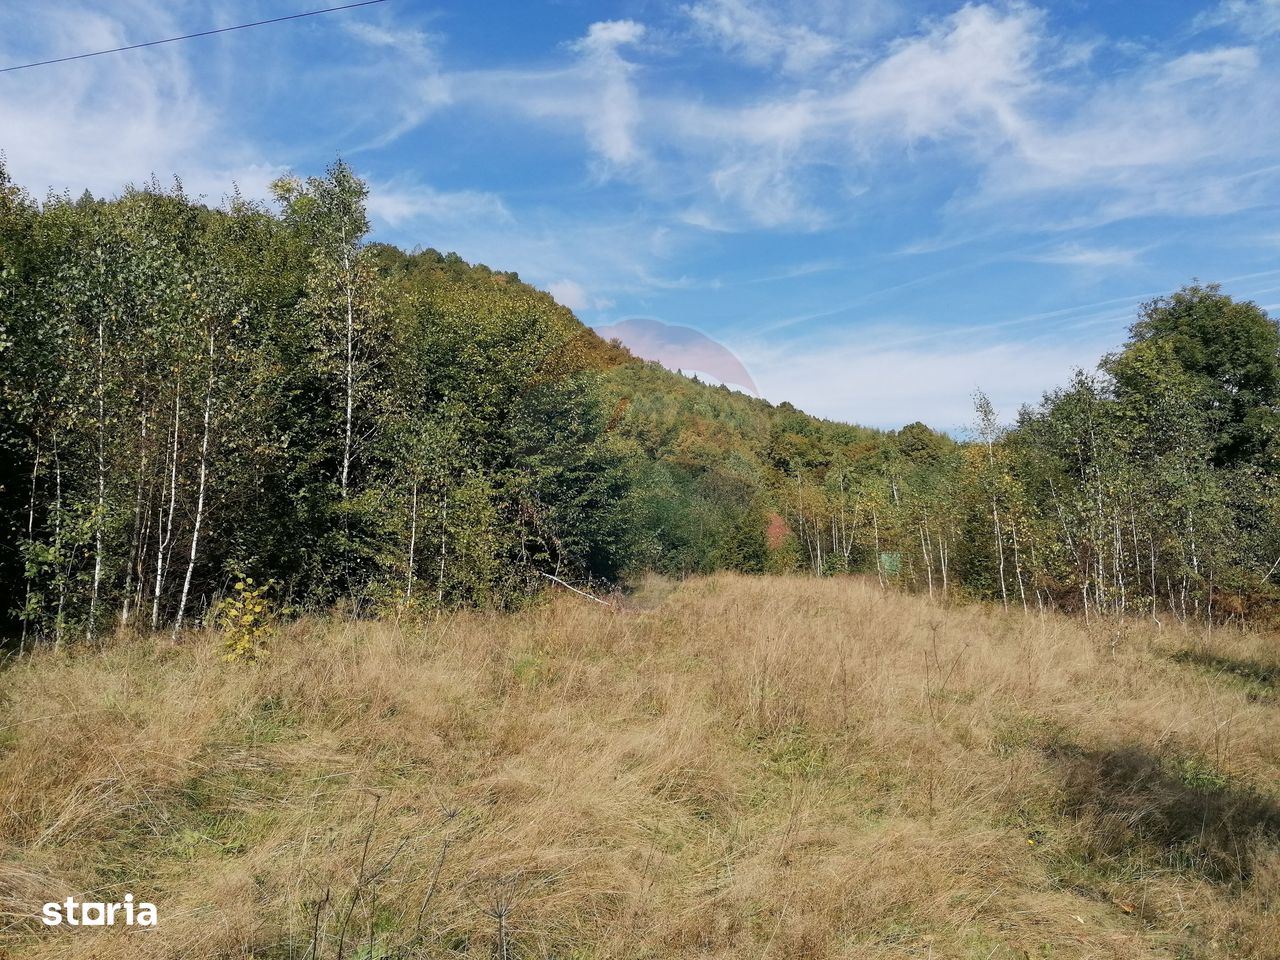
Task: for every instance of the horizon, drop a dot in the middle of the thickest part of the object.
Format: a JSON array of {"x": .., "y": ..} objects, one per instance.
[{"x": 876, "y": 210}]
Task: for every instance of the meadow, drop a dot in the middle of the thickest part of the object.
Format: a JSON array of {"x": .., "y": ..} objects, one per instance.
[{"x": 731, "y": 766}]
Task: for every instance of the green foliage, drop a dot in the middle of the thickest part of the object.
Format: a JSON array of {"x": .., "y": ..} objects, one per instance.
[
  {"x": 745, "y": 548},
  {"x": 1229, "y": 352},
  {"x": 185, "y": 390},
  {"x": 702, "y": 454}
]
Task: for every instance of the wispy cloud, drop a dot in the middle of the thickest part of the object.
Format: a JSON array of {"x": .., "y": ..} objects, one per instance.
[
  {"x": 398, "y": 202},
  {"x": 855, "y": 378},
  {"x": 760, "y": 36},
  {"x": 99, "y": 124},
  {"x": 1014, "y": 111},
  {"x": 417, "y": 86},
  {"x": 798, "y": 270},
  {"x": 797, "y": 38},
  {"x": 1254, "y": 18},
  {"x": 1078, "y": 255},
  {"x": 968, "y": 78}
]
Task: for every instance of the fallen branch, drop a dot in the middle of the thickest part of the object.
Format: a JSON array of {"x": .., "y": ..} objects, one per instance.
[{"x": 581, "y": 593}]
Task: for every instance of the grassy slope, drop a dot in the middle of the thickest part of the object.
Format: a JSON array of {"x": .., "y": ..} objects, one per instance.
[{"x": 731, "y": 768}]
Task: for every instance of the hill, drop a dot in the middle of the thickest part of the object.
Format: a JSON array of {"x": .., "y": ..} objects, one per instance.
[
  {"x": 712, "y": 465},
  {"x": 734, "y": 766},
  {"x": 195, "y": 397}
]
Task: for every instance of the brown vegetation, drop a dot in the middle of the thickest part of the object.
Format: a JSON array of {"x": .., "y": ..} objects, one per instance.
[{"x": 737, "y": 767}]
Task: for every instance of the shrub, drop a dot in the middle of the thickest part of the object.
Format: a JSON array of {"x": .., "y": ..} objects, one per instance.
[{"x": 246, "y": 620}]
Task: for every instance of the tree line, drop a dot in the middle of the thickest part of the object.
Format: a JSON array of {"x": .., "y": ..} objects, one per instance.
[
  {"x": 191, "y": 395},
  {"x": 194, "y": 396},
  {"x": 1148, "y": 486}
]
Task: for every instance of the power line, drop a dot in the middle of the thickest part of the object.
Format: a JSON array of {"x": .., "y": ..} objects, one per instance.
[{"x": 190, "y": 36}]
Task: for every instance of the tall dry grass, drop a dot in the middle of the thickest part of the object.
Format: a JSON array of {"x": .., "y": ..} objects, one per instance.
[{"x": 739, "y": 767}]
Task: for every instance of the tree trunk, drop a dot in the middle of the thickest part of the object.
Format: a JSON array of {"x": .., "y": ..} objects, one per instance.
[
  {"x": 59, "y": 576},
  {"x": 166, "y": 535},
  {"x": 413, "y": 540},
  {"x": 995, "y": 523},
  {"x": 144, "y": 538},
  {"x": 350, "y": 368},
  {"x": 444, "y": 539},
  {"x": 942, "y": 560},
  {"x": 135, "y": 535},
  {"x": 1017, "y": 562},
  {"x": 99, "y": 516},
  {"x": 204, "y": 471},
  {"x": 31, "y": 532},
  {"x": 875, "y": 532},
  {"x": 928, "y": 561}
]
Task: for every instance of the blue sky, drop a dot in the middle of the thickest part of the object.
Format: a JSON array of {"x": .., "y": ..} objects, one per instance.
[{"x": 879, "y": 206}]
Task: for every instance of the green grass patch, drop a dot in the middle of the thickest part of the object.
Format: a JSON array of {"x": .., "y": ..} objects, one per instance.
[{"x": 1261, "y": 681}]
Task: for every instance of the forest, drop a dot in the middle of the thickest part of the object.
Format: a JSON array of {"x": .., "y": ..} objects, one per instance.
[{"x": 254, "y": 408}]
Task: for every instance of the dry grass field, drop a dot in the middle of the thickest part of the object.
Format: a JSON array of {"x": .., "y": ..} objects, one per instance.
[{"x": 732, "y": 768}]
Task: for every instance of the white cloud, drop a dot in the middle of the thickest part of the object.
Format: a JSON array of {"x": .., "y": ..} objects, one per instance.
[
  {"x": 800, "y": 270},
  {"x": 417, "y": 86},
  {"x": 798, "y": 37},
  {"x": 397, "y": 203},
  {"x": 760, "y": 36},
  {"x": 1167, "y": 138},
  {"x": 595, "y": 93},
  {"x": 748, "y": 165},
  {"x": 990, "y": 92},
  {"x": 606, "y": 36},
  {"x": 968, "y": 76},
  {"x": 102, "y": 123},
  {"x": 569, "y": 294},
  {"x": 1077, "y": 255},
  {"x": 848, "y": 377},
  {"x": 1253, "y": 18},
  {"x": 1224, "y": 64},
  {"x": 414, "y": 43},
  {"x": 611, "y": 120},
  {"x": 763, "y": 184}
]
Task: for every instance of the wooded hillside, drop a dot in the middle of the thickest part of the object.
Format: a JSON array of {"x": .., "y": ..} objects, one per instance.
[{"x": 257, "y": 403}]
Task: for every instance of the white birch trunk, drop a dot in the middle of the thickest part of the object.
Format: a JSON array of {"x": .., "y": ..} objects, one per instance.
[
  {"x": 350, "y": 366},
  {"x": 413, "y": 541},
  {"x": 204, "y": 472},
  {"x": 31, "y": 532},
  {"x": 102, "y": 482},
  {"x": 134, "y": 560},
  {"x": 166, "y": 535}
]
